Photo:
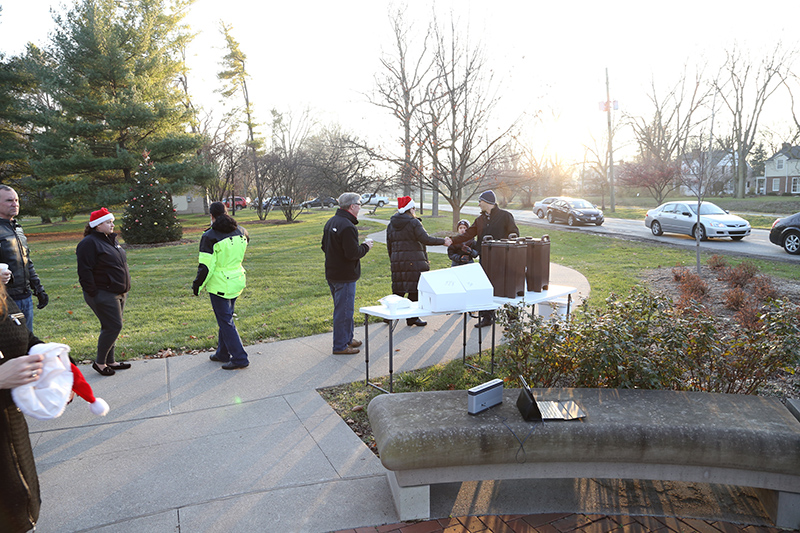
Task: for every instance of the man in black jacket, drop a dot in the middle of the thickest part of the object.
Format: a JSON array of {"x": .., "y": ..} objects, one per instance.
[
  {"x": 343, "y": 256},
  {"x": 492, "y": 221},
  {"x": 22, "y": 280}
]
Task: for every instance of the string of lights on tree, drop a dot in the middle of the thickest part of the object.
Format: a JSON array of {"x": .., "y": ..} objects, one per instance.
[{"x": 149, "y": 216}]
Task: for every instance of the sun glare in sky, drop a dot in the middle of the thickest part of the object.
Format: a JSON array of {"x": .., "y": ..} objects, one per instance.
[{"x": 548, "y": 61}]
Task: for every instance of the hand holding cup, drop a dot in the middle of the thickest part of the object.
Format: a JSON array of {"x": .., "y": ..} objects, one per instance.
[{"x": 5, "y": 273}]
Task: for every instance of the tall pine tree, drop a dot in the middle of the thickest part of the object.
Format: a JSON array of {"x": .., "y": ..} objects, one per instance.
[
  {"x": 114, "y": 85},
  {"x": 149, "y": 215}
]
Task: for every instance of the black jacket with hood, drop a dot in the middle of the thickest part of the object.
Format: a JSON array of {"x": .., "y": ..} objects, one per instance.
[
  {"x": 405, "y": 241},
  {"x": 102, "y": 264}
]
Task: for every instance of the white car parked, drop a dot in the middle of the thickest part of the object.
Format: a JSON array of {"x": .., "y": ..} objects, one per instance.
[
  {"x": 374, "y": 199},
  {"x": 681, "y": 217}
]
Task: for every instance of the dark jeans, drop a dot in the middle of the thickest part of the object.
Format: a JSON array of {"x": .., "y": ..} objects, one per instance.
[
  {"x": 344, "y": 301},
  {"x": 229, "y": 345},
  {"x": 26, "y": 306},
  {"x": 108, "y": 308}
]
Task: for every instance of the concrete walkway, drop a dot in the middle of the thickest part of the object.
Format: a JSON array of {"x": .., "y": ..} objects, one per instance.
[{"x": 189, "y": 448}]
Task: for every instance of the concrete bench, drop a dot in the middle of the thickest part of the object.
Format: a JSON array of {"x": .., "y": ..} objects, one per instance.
[{"x": 749, "y": 441}]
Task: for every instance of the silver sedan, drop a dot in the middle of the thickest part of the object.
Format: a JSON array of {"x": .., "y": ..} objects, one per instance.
[{"x": 681, "y": 217}]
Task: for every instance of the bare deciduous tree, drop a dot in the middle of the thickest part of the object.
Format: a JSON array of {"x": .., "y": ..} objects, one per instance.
[
  {"x": 340, "y": 162},
  {"x": 457, "y": 119},
  {"x": 663, "y": 136},
  {"x": 401, "y": 91},
  {"x": 288, "y": 172},
  {"x": 744, "y": 88}
]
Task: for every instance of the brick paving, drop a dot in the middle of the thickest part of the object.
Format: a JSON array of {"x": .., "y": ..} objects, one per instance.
[{"x": 563, "y": 523}]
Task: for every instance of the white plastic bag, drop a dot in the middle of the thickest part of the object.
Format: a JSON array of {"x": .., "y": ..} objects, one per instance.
[{"x": 47, "y": 397}]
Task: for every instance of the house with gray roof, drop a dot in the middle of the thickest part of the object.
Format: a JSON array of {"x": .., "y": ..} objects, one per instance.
[{"x": 781, "y": 172}]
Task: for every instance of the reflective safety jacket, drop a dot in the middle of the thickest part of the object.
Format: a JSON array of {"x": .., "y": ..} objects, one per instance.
[{"x": 222, "y": 250}]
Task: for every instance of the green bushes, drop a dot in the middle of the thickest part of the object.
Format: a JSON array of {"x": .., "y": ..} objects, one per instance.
[{"x": 646, "y": 341}]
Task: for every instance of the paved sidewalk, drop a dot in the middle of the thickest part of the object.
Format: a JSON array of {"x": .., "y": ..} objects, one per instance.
[{"x": 189, "y": 448}]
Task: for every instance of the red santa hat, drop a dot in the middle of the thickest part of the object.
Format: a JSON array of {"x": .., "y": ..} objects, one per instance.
[
  {"x": 97, "y": 406},
  {"x": 405, "y": 203},
  {"x": 100, "y": 216},
  {"x": 48, "y": 396}
]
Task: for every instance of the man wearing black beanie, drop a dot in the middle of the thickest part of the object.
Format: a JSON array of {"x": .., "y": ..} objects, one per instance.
[{"x": 492, "y": 221}]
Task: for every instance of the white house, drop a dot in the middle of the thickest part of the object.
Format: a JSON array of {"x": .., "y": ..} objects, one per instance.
[
  {"x": 193, "y": 201},
  {"x": 781, "y": 172},
  {"x": 719, "y": 179}
]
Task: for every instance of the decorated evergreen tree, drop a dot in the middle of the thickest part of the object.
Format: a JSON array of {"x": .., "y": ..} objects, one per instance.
[{"x": 149, "y": 215}]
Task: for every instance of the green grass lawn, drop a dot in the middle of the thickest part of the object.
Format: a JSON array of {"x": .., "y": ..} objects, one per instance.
[{"x": 286, "y": 294}]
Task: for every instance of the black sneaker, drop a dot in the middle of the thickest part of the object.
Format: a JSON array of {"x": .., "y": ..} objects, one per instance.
[{"x": 233, "y": 366}]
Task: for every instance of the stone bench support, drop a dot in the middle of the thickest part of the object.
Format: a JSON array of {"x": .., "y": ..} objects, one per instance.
[{"x": 749, "y": 441}]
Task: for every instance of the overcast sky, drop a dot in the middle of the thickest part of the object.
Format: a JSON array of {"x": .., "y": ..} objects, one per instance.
[{"x": 548, "y": 56}]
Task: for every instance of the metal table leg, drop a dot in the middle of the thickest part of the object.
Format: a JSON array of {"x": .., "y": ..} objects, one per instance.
[
  {"x": 464, "y": 341},
  {"x": 366, "y": 354},
  {"x": 366, "y": 346}
]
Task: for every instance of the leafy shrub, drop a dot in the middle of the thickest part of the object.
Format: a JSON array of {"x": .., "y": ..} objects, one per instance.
[
  {"x": 717, "y": 262},
  {"x": 645, "y": 341},
  {"x": 748, "y": 315},
  {"x": 692, "y": 286},
  {"x": 735, "y": 298},
  {"x": 763, "y": 289},
  {"x": 741, "y": 274}
]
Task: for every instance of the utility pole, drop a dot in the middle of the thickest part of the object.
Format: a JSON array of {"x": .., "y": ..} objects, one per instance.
[{"x": 610, "y": 147}]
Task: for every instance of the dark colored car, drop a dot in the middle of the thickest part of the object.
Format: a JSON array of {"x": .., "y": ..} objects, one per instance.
[
  {"x": 786, "y": 232},
  {"x": 321, "y": 201},
  {"x": 277, "y": 201},
  {"x": 574, "y": 211}
]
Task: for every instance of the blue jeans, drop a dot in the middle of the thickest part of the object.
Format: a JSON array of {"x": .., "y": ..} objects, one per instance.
[
  {"x": 344, "y": 301},
  {"x": 26, "y": 306},
  {"x": 229, "y": 345}
]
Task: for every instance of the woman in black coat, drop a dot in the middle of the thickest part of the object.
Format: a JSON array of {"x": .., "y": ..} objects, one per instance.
[
  {"x": 19, "y": 482},
  {"x": 405, "y": 241},
  {"x": 105, "y": 280}
]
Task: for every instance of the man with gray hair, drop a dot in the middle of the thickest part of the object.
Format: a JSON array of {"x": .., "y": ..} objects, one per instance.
[{"x": 343, "y": 256}]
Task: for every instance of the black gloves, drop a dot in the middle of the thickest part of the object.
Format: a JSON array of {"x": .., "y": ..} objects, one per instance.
[
  {"x": 195, "y": 289},
  {"x": 43, "y": 299}
]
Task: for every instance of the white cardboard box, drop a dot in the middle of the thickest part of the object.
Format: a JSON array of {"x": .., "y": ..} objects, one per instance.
[
  {"x": 440, "y": 290},
  {"x": 476, "y": 283},
  {"x": 453, "y": 289}
]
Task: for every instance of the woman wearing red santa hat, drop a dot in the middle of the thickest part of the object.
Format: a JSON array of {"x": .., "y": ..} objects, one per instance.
[
  {"x": 104, "y": 277},
  {"x": 19, "y": 488},
  {"x": 405, "y": 241}
]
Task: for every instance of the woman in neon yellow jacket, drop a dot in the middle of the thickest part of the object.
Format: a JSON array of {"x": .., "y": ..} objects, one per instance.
[{"x": 220, "y": 272}]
